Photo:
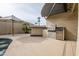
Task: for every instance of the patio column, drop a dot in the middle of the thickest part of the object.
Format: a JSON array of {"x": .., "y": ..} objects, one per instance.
[{"x": 12, "y": 27}]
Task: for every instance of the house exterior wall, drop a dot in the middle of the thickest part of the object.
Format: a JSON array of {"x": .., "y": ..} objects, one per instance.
[
  {"x": 77, "y": 47},
  {"x": 50, "y": 25},
  {"x": 67, "y": 20},
  {"x": 6, "y": 27}
]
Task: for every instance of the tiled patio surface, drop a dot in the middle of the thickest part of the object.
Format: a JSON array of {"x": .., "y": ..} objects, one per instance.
[{"x": 24, "y": 45}]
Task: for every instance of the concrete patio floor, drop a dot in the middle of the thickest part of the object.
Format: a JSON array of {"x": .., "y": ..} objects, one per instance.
[{"x": 25, "y": 45}]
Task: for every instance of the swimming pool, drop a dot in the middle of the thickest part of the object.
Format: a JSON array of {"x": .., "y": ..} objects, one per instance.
[{"x": 4, "y": 43}]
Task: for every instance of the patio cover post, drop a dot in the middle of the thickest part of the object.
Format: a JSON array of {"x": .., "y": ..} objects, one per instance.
[{"x": 12, "y": 27}]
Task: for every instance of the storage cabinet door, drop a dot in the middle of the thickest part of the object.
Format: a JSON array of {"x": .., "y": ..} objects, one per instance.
[{"x": 59, "y": 35}]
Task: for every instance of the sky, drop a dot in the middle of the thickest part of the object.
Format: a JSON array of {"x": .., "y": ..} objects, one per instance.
[{"x": 25, "y": 11}]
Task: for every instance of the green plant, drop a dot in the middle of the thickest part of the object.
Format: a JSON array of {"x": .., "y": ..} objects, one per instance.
[{"x": 26, "y": 28}]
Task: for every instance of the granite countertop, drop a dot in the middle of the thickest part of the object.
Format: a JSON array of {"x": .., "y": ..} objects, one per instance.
[
  {"x": 44, "y": 27},
  {"x": 60, "y": 28}
]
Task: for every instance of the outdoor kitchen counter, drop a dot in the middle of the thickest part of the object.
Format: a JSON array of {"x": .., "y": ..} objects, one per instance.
[
  {"x": 60, "y": 33},
  {"x": 37, "y": 30}
]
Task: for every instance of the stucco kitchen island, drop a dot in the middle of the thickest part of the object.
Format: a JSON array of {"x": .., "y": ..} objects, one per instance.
[{"x": 38, "y": 30}]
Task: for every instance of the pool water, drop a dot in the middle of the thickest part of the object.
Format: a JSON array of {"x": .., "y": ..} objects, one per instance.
[{"x": 4, "y": 43}]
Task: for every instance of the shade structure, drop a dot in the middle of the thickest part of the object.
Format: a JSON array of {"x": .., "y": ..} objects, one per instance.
[{"x": 53, "y": 8}]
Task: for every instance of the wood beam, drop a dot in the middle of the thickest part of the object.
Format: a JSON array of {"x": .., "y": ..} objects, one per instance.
[{"x": 51, "y": 10}]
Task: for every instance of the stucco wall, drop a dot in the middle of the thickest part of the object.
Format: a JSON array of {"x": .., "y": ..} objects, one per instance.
[
  {"x": 67, "y": 20},
  {"x": 77, "y": 48},
  {"x": 6, "y": 27},
  {"x": 18, "y": 28}
]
